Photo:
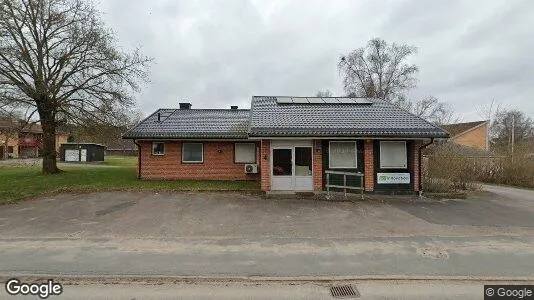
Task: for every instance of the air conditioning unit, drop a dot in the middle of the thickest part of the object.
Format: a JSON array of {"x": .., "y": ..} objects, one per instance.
[{"x": 251, "y": 168}]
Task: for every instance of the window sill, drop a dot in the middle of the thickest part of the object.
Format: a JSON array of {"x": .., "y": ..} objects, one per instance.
[
  {"x": 342, "y": 167},
  {"x": 394, "y": 168}
]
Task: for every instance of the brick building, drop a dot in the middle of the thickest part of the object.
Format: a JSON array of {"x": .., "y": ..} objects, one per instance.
[
  {"x": 20, "y": 140},
  {"x": 470, "y": 134},
  {"x": 287, "y": 143}
]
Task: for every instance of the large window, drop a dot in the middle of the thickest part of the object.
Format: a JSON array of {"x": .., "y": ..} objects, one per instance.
[
  {"x": 192, "y": 153},
  {"x": 393, "y": 155},
  {"x": 342, "y": 155},
  {"x": 158, "y": 148},
  {"x": 245, "y": 153}
]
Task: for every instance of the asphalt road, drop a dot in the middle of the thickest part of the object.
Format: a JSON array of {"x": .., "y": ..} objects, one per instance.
[
  {"x": 223, "y": 235},
  {"x": 368, "y": 290},
  {"x": 406, "y": 256},
  {"x": 510, "y": 192}
]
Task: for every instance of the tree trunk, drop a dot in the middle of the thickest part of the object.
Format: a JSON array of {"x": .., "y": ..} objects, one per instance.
[
  {"x": 48, "y": 124},
  {"x": 49, "y": 147}
]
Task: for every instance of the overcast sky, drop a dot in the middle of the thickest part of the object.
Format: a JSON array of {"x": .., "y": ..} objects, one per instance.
[{"x": 219, "y": 53}]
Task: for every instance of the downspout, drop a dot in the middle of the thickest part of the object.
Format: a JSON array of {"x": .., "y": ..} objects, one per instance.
[
  {"x": 420, "y": 165},
  {"x": 138, "y": 159}
]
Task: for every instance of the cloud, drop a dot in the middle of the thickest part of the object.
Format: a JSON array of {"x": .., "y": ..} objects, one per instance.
[{"x": 220, "y": 53}]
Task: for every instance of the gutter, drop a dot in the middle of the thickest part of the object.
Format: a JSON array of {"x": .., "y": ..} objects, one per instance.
[
  {"x": 138, "y": 159},
  {"x": 420, "y": 167}
]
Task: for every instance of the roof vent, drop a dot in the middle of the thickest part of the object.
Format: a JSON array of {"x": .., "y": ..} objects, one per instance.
[
  {"x": 159, "y": 117},
  {"x": 185, "y": 105},
  {"x": 233, "y": 107}
]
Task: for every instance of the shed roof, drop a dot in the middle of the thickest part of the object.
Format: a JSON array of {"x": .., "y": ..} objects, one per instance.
[{"x": 82, "y": 144}]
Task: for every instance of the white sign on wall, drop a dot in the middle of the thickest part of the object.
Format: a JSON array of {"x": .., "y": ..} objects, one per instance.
[{"x": 393, "y": 178}]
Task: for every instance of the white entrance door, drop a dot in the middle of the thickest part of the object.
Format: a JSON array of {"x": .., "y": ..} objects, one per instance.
[
  {"x": 291, "y": 166},
  {"x": 83, "y": 155},
  {"x": 282, "y": 169}
]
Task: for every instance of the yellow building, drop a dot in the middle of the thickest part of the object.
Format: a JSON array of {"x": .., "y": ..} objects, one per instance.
[{"x": 471, "y": 134}]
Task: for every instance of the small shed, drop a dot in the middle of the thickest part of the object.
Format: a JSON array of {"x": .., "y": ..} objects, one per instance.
[{"x": 81, "y": 152}]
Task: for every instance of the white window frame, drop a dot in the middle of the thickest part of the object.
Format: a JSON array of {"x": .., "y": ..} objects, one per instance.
[
  {"x": 158, "y": 154},
  {"x": 405, "y": 155},
  {"x": 330, "y": 154},
  {"x": 193, "y": 162},
  {"x": 245, "y": 162}
]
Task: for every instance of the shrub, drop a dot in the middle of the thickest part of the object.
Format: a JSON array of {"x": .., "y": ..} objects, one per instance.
[{"x": 451, "y": 168}]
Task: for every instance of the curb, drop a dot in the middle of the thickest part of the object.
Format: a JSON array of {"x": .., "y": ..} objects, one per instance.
[{"x": 148, "y": 279}]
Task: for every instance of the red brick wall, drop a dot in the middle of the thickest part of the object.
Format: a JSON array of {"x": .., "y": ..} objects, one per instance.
[
  {"x": 368, "y": 168},
  {"x": 317, "y": 168},
  {"x": 415, "y": 165},
  {"x": 265, "y": 165},
  {"x": 216, "y": 165}
]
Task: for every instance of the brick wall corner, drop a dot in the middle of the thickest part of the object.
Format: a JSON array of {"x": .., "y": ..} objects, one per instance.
[{"x": 368, "y": 167}]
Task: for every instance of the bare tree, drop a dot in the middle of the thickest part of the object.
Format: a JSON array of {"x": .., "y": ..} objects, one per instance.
[
  {"x": 511, "y": 127},
  {"x": 108, "y": 133},
  {"x": 379, "y": 70},
  {"x": 490, "y": 112},
  {"x": 323, "y": 93},
  {"x": 433, "y": 110},
  {"x": 58, "y": 58}
]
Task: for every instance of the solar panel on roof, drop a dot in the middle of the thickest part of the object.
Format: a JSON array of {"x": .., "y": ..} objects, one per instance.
[
  {"x": 284, "y": 100},
  {"x": 321, "y": 100},
  {"x": 315, "y": 100},
  {"x": 331, "y": 100},
  {"x": 300, "y": 100}
]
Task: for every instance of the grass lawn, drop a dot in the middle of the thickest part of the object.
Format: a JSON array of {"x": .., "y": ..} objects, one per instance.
[{"x": 116, "y": 173}]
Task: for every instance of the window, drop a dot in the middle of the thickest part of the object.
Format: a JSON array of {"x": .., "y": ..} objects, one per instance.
[
  {"x": 245, "y": 153},
  {"x": 158, "y": 148},
  {"x": 393, "y": 155},
  {"x": 343, "y": 155},
  {"x": 192, "y": 153},
  {"x": 303, "y": 161},
  {"x": 10, "y": 149},
  {"x": 282, "y": 165}
]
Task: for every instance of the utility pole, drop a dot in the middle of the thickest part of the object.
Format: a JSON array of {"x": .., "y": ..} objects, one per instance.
[{"x": 513, "y": 136}]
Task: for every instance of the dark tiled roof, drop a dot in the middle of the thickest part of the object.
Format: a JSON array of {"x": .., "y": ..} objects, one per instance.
[
  {"x": 193, "y": 123},
  {"x": 380, "y": 118},
  {"x": 455, "y": 129}
]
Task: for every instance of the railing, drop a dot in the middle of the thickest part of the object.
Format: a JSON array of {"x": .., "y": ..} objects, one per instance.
[{"x": 345, "y": 187}]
